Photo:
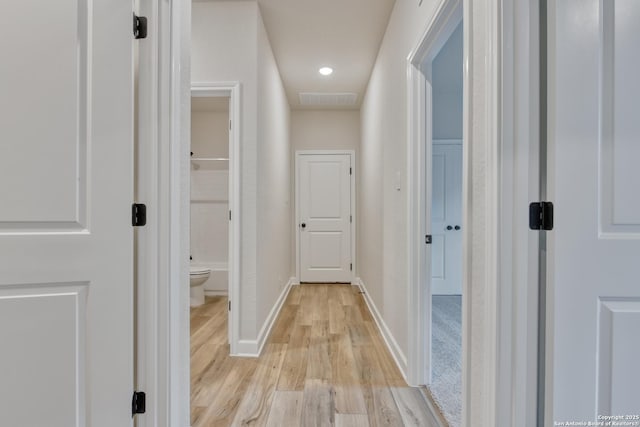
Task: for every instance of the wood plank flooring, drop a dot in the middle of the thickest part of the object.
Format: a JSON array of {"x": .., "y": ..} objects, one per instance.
[{"x": 325, "y": 364}]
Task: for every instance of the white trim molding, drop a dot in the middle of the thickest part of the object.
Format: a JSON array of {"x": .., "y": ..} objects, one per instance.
[
  {"x": 253, "y": 348},
  {"x": 393, "y": 346},
  {"x": 519, "y": 184},
  {"x": 162, "y": 165}
]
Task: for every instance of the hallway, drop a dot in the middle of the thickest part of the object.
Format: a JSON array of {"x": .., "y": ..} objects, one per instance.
[{"x": 324, "y": 364}]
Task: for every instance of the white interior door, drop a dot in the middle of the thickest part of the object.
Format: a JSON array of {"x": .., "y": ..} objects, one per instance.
[
  {"x": 446, "y": 219},
  {"x": 324, "y": 197},
  {"x": 66, "y": 256},
  {"x": 594, "y": 250}
]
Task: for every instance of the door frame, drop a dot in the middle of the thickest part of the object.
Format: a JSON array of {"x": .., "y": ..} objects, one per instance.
[
  {"x": 232, "y": 91},
  {"x": 438, "y": 31},
  {"x": 520, "y": 268},
  {"x": 352, "y": 155},
  {"x": 163, "y": 165},
  {"x": 499, "y": 366}
]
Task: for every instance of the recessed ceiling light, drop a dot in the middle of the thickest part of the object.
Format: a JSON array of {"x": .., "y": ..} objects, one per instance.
[{"x": 325, "y": 71}]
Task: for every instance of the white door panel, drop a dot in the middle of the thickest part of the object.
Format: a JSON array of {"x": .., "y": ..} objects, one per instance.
[
  {"x": 446, "y": 211},
  {"x": 594, "y": 274},
  {"x": 325, "y": 249},
  {"x": 324, "y": 194},
  {"x": 66, "y": 273}
]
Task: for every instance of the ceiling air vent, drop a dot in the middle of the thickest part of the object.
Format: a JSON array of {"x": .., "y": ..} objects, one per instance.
[{"x": 344, "y": 99}]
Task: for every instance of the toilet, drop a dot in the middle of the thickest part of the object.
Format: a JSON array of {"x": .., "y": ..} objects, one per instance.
[{"x": 197, "y": 277}]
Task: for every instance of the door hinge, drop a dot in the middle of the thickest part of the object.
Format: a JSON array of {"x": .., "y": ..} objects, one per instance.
[
  {"x": 138, "y": 214},
  {"x": 229, "y": 305},
  {"x": 428, "y": 239},
  {"x": 350, "y": 171},
  {"x": 138, "y": 403},
  {"x": 351, "y": 266},
  {"x": 139, "y": 27},
  {"x": 229, "y": 215},
  {"x": 541, "y": 216},
  {"x": 350, "y": 218}
]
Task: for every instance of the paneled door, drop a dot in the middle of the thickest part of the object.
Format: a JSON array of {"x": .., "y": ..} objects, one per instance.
[
  {"x": 323, "y": 193},
  {"x": 594, "y": 179},
  {"x": 446, "y": 219},
  {"x": 66, "y": 272}
]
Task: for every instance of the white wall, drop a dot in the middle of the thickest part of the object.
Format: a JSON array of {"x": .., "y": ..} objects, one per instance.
[
  {"x": 229, "y": 44},
  {"x": 325, "y": 130},
  {"x": 274, "y": 180},
  {"x": 210, "y": 134},
  {"x": 321, "y": 130},
  {"x": 446, "y": 80},
  {"x": 383, "y": 211}
]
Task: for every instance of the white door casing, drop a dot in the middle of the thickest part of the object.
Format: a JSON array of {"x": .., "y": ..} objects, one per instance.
[
  {"x": 323, "y": 194},
  {"x": 66, "y": 175},
  {"x": 594, "y": 249},
  {"x": 446, "y": 219}
]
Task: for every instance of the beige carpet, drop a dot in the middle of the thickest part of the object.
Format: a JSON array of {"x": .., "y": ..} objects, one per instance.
[{"x": 446, "y": 352}]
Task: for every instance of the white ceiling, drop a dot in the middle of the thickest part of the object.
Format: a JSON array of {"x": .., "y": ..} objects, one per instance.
[{"x": 342, "y": 34}]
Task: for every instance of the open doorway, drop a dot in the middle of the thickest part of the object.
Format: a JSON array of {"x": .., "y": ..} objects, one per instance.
[
  {"x": 209, "y": 239},
  {"x": 439, "y": 211},
  {"x": 213, "y": 234},
  {"x": 209, "y": 224},
  {"x": 445, "y": 369}
]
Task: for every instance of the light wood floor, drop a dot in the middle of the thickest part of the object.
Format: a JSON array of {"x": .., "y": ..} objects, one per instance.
[{"x": 325, "y": 364}]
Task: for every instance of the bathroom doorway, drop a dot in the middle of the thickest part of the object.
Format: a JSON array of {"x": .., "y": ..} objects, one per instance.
[
  {"x": 209, "y": 199},
  {"x": 214, "y": 225},
  {"x": 215, "y": 214}
]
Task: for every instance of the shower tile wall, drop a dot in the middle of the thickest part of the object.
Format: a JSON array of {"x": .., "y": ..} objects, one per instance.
[{"x": 209, "y": 196}]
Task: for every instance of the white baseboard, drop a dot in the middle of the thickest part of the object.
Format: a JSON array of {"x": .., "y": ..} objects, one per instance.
[
  {"x": 397, "y": 353},
  {"x": 253, "y": 348}
]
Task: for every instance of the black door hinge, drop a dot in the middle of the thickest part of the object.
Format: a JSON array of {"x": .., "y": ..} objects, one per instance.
[
  {"x": 229, "y": 305},
  {"x": 138, "y": 403},
  {"x": 350, "y": 171},
  {"x": 138, "y": 214},
  {"x": 428, "y": 239},
  {"x": 139, "y": 27},
  {"x": 351, "y": 266},
  {"x": 541, "y": 216}
]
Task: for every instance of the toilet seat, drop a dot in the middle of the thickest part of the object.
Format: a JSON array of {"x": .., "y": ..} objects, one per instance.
[{"x": 199, "y": 270}]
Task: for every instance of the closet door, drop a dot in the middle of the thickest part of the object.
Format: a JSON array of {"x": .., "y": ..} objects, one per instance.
[
  {"x": 324, "y": 203},
  {"x": 446, "y": 220}
]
